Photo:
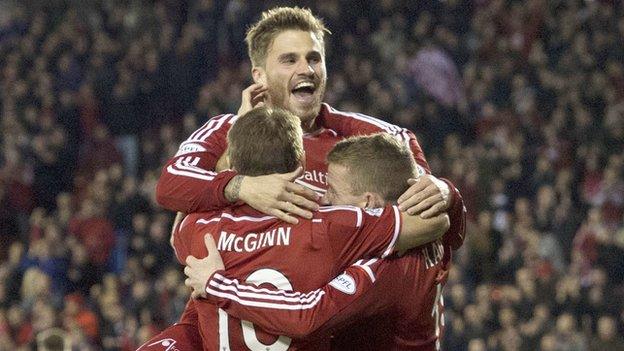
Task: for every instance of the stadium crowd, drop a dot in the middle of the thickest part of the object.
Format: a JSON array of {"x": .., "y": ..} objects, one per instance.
[{"x": 519, "y": 103}]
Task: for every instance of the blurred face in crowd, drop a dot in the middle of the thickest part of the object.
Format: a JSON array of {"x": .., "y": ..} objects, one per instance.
[
  {"x": 295, "y": 74},
  {"x": 476, "y": 345},
  {"x": 548, "y": 343},
  {"x": 565, "y": 324},
  {"x": 606, "y": 328}
]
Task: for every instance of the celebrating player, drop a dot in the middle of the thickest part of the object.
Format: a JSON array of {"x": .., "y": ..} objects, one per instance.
[
  {"x": 286, "y": 48},
  {"x": 405, "y": 297},
  {"x": 287, "y": 51},
  {"x": 264, "y": 249}
]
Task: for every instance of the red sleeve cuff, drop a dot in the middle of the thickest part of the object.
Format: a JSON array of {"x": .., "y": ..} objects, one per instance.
[
  {"x": 454, "y": 236},
  {"x": 215, "y": 199}
]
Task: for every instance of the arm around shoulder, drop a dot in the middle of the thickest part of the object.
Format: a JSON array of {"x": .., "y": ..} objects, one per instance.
[{"x": 416, "y": 231}]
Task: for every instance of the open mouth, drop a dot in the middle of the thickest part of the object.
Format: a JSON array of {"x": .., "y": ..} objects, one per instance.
[{"x": 304, "y": 92}]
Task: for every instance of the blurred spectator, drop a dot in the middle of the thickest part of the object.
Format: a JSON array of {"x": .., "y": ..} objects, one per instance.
[
  {"x": 608, "y": 337},
  {"x": 95, "y": 232},
  {"x": 52, "y": 339}
]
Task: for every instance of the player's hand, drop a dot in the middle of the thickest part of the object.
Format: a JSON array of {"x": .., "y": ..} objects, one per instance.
[
  {"x": 199, "y": 271},
  {"x": 427, "y": 196},
  {"x": 252, "y": 97},
  {"x": 277, "y": 195}
]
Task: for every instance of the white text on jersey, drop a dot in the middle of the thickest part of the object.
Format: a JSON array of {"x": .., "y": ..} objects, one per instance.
[
  {"x": 315, "y": 176},
  {"x": 253, "y": 241}
]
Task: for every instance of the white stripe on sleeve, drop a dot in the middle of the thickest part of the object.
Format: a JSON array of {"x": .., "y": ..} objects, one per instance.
[{"x": 397, "y": 230}]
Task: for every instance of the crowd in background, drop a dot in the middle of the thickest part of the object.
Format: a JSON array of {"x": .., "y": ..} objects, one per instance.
[{"x": 519, "y": 103}]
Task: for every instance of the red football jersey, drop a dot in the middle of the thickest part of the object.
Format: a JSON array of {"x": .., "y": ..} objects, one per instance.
[
  {"x": 189, "y": 184},
  {"x": 260, "y": 249},
  {"x": 396, "y": 304}
]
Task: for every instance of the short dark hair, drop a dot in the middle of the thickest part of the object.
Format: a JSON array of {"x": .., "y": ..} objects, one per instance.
[
  {"x": 264, "y": 141},
  {"x": 378, "y": 163},
  {"x": 261, "y": 34}
]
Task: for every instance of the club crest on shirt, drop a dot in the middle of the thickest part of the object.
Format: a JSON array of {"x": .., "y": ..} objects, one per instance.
[{"x": 344, "y": 283}]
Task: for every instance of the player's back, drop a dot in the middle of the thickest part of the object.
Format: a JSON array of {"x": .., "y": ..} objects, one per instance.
[
  {"x": 403, "y": 309},
  {"x": 260, "y": 249}
]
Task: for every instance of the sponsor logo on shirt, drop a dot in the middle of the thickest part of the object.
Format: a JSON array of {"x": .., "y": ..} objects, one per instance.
[
  {"x": 315, "y": 176},
  {"x": 344, "y": 283}
]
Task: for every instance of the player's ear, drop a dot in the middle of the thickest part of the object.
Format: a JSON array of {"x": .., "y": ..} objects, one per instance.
[
  {"x": 223, "y": 163},
  {"x": 258, "y": 74},
  {"x": 373, "y": 200},
  {"x": 302, "y": 161}
]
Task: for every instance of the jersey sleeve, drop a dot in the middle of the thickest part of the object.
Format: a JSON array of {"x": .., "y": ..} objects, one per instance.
[
  {"x": 349, "y": 124},
  {"x": 188, "y": 239},
  {"x": 352, "y": 124},
  {"x": 355, "y": 233},
  {"x": 456, "y": 234},
  {"x": 293, "y": 313},
  {"x": 188, "y": 182}
]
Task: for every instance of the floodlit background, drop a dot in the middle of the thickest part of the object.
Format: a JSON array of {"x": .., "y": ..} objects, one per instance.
[{"x": 519, "y": 103}]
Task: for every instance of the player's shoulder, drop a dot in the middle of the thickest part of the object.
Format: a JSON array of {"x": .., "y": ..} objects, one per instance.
[
  {"x": 355, "y": 216},
  {"x": 184, "y": 236},
  {"x": 343, "y": 214},
  {"x": 361, "y": 121},
  {"x": 192, "y": 220},
  {"x": 214, "y": 124}
]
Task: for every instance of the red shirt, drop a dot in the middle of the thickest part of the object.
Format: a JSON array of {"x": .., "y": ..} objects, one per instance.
[
  {"x": 97, "y": 236},
  {"x": 189, "y": 184},
  {"x": 396, "y": 304},
  {"x": 260, "y": 249}
]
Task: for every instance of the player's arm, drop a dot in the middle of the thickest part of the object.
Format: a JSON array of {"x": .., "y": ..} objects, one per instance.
[
  {"x": 188, "y": 182},
  {"x": 280, "y": 312},
  {"x": 417, "y": 231},
  {"x": 355, "y": 233},
  {"x": 274, "y": 194},
  {"x": 429, "y": 195}
]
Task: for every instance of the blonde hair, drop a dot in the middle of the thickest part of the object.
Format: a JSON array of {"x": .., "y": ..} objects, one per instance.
[
  {"x": 274, "y": 21},
  {"x": 377, "y": 163},
  {"x": 264, "y": 141}
]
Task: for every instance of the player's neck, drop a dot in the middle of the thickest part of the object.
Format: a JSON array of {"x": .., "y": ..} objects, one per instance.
[{"x": 310, "y": 126}]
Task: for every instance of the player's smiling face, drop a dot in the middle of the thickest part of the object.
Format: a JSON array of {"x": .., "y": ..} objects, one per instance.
[
  {"x": 295, "y": 74},
  {"x": 339, "y": 188}
]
